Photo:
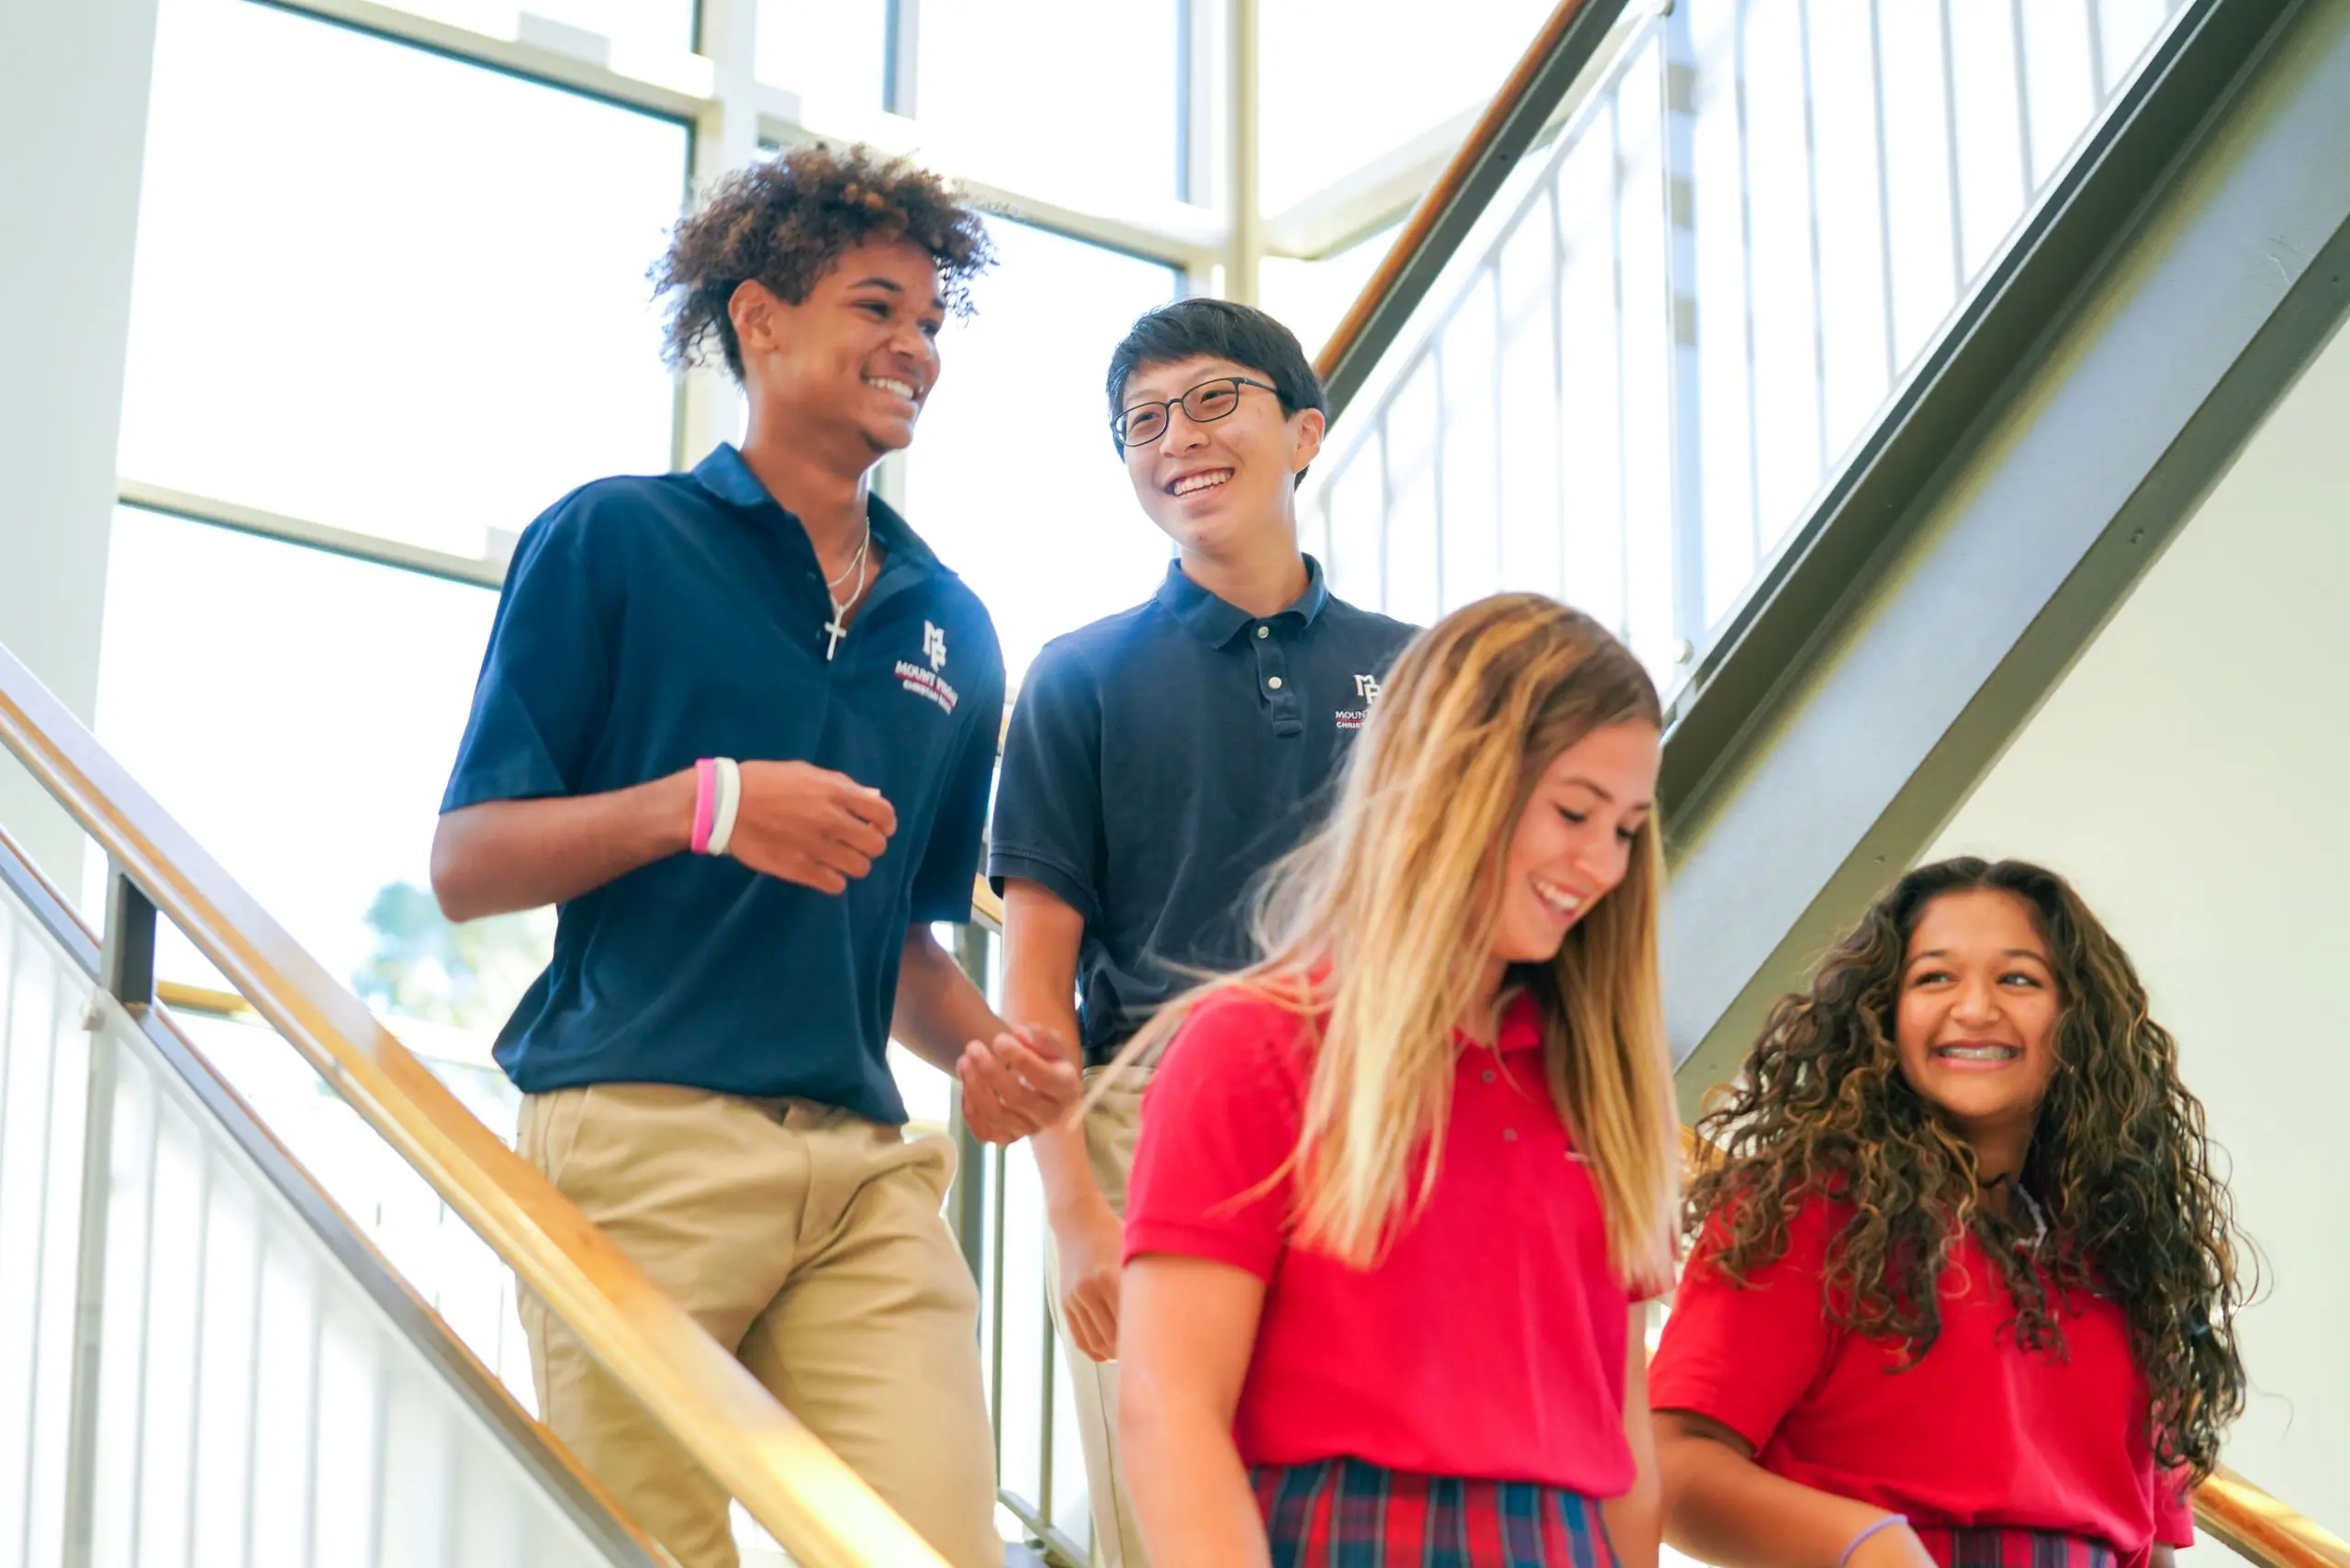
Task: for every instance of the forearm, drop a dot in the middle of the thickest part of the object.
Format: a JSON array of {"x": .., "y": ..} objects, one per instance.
[
  {"x": 503, "y": 855},
  {"x": 938, "y": 1010},
  {"x": 1190, "y": 1490},
  {"x": 1721, "y": 1507}
]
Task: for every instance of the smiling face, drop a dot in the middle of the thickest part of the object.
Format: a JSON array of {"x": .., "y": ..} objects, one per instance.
[
  {"x": 859, "y": 354},
  {"x": 1210, "y": 486},
  {"x": 1573, "y": 841},
  {"x": 1976, "y": 1027}
]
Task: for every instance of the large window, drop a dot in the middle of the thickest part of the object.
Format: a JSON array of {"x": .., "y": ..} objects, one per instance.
[
  {"x": 383, "y": 290},
  {"x": 835, "y": 53},
  {"x": 297, "y": 711},
  {"x": 1013, "y": 478}
]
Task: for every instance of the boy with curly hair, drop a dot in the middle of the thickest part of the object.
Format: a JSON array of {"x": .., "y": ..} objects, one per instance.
[{"x": 738, "y": 724}]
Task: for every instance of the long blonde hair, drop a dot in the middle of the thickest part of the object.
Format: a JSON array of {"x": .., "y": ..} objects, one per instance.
[{"x": 1376, "y": 929}]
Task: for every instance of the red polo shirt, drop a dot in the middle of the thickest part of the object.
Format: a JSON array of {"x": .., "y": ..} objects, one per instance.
[
  {"x": 1489, "y": 1341},
  {"x": 1979, "y": 1432}
]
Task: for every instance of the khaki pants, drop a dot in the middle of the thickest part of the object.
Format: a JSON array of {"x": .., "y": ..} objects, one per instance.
[
  {"x": 808, "y": 1241},
  {"x": 1110, "y": 1131}
]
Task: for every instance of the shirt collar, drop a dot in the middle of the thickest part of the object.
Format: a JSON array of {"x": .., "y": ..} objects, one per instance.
[
  {"x": 725, "y": 475},
  {"x": 1521, "y": 1026},
  {"x": 1217, "y": 622}
]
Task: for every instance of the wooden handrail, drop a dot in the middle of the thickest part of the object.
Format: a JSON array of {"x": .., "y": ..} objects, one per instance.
[
  {"x": 1535, "y": 87},
  {"x": 795, "y": 1486},
  {"x": 2260, "y": 1528}
]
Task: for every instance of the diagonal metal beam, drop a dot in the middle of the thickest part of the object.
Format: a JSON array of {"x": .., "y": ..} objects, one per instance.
[{"x": 2184, "y": 274}]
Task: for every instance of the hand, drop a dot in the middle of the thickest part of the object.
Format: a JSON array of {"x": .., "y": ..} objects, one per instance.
[
  {"x": 1011, "y": 1086},
  {"x": 809, "y": 824},
  {"x": 1093, "y": 1245},
  {"x": 1894, "y": 1546}
]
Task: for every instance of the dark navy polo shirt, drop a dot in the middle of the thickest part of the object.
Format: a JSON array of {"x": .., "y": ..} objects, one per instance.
[
  {"x": 1159, "y": 759},
  {"x": 647, "y": 623}
]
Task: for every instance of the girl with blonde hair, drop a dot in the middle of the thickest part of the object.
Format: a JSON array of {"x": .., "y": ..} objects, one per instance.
[{"x": 1404, "y": 1182}]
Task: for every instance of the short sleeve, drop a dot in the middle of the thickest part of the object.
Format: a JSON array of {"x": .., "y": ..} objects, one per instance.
[
  {"x": 538, "y": 704},
  {"x": 1219, "y": 1122},
  {"x": 2173, "y": 1508},
  {"x": 942, "y": 888},
  {"x": 1744, "y": 1354},
  {"x": 1048, "y": 801}
]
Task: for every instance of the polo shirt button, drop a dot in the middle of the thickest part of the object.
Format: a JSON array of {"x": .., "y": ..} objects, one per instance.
[
  {"x": 1509, "y": 1134},
  {"x": 1264, "y": 631},
  {"x": 1487, "y": 1075},
  {"x": 1274, "y": 683}
]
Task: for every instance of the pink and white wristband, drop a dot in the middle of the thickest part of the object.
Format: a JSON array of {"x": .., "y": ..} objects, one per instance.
[{"x": 718, "y": 796}]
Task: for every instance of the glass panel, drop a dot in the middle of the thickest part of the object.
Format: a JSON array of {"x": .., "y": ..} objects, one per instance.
[
  {"x": 1336, "y": 90},
  {"x": 325, "y": 813},
  {"x": 831, "y": 52},
  {"x": 1072, "y": 95},
  {"x": 428, "y": 324},
  {"x": 1763, "y": 217},
  {"x": 1013, "y": 479},
  {"x": 1312, "y": 298}
]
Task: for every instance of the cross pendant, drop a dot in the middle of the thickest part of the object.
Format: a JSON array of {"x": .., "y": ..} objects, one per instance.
[{"x": 834, "y": 629}]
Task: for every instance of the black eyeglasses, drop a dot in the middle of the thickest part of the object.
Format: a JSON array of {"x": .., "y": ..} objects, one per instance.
[{"x": 1203, "y": 404}]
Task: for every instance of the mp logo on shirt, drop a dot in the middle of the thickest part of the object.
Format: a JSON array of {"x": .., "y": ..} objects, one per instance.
[
  {"x": 1366, "y": 687},
  {"x": 926, "y": 682}
]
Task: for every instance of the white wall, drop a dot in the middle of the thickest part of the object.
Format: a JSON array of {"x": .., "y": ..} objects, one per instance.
[
  {"x": 2190, "y": 775},
  {"x": 73, "y": 81}
]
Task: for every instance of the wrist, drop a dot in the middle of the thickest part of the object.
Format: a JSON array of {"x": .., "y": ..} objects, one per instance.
[{"x": 670, "y": 817}]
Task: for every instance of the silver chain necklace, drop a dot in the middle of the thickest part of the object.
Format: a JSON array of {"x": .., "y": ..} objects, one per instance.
[{"x": 837, "y": 627}]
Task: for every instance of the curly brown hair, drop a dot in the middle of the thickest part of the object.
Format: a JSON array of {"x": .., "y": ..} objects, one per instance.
[
  {"x": 782, "y": 221},
  {"x": 2120, "y": 1161}
]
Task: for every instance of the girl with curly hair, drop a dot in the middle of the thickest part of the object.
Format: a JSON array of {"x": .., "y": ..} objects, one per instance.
[
  {"x": 1964, "y": 1276},
  {"x": 1402, "y": 1185}
]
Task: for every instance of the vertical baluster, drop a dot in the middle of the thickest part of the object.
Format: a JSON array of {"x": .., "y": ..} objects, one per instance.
[
  {"x": 1558, "y": 307},
  {"x": 1623, "y": 424},
  {"x": 2099, "y": 86},
  {"x": 1436, "y": 468},
  {"x": 1685, "y": 434},
  {"x": 2023, "y": 99},
  {"x": 1950, "y": 140},
  {"x": 201, "y": 1275},
  {"x": 1746, "y": 246},
  {"x": 252, "y": 1523},
  {"x": 1811, "y": 209},
  {"x": 1049, "y": 1354},
  {"x": 310, "y": 1467},
  {"x": 1884, "y": 190},
  {"x": 127, "y": 970}
]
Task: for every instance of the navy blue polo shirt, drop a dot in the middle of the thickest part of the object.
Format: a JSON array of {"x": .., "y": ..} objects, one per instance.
[
  {"x": 1159, "y": 759},
  {"x": 647, "y": 623}
]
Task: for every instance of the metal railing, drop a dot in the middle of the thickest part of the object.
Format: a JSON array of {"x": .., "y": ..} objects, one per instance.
[
  {"x": 788, "y": 1481},
  {"x": 204, "y": 1361},
  {"x": 1631, "y": 389}
]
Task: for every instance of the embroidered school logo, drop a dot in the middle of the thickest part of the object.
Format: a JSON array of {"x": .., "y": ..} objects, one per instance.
[
  {"x": 927, "y": 682},
  {"x": 1366, "y": 687}
]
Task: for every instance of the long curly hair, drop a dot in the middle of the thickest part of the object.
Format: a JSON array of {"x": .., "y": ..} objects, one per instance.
[
  {"x": 2120, "y": 1161},
  {"x": 783, "y": 219}
]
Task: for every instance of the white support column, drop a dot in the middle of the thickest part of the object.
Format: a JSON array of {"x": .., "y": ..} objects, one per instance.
[
  {"x": 73, "y": 92},
  {"x": 1243, "y": 206},
  {"x": 726, "y": 135}
]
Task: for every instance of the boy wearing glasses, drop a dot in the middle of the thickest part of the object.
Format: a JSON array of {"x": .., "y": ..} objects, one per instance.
[{"x": 1157, "y": 760}]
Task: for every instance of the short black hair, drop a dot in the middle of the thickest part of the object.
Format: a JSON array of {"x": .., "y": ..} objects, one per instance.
[
  {"x": 1218, "y": 329},
  {"x": 783, "y": 220}
]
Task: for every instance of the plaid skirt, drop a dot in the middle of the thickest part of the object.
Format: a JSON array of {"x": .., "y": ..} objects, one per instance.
[
  {"x": 1995, "y": 1545},
  {"x": 1343, "y": 1513}
]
